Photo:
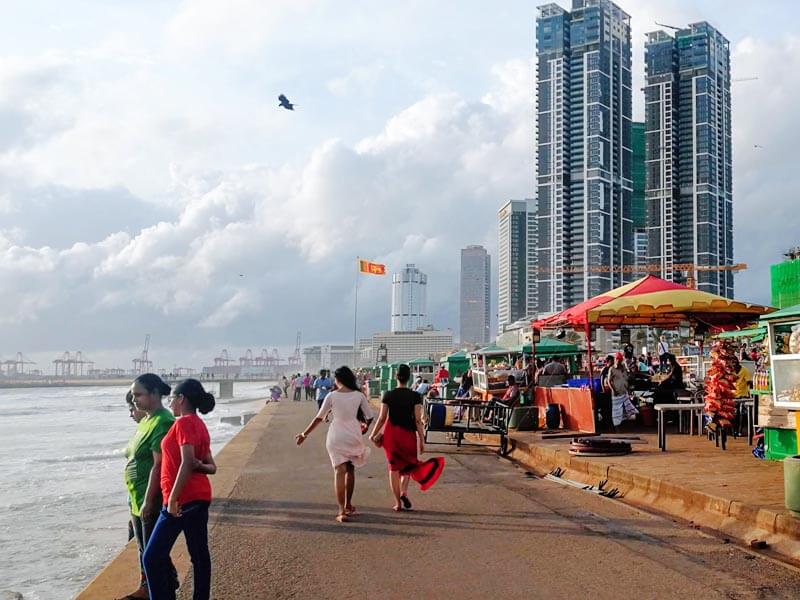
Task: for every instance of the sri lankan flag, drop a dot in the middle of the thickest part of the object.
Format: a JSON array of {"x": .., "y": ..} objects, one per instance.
[{"x": 371, "y": 268}]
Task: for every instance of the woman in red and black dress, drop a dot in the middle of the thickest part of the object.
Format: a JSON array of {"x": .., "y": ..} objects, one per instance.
[{"x": 398, "y": 430}]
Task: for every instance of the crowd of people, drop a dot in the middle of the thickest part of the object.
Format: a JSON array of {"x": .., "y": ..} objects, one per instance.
[
  {"x": 169, "y": 461},
  {"x": 624, "y": 373}
]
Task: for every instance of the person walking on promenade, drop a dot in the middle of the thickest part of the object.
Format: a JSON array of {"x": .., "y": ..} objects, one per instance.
[
  {"x": 298, "y": 388},
  {"x": 344, "y": 443},
  {"x": 323, "y": 386},
  {"x": 143, "y": 469},
  {"x": 285, "y": 386},
  {"x": 187, "y": 462},
  {"x": 398, "y": 430},
  {"x": 307, "y": 383}
]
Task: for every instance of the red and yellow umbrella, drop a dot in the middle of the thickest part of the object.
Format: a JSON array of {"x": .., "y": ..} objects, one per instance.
[{"x": 651, "y": 301}]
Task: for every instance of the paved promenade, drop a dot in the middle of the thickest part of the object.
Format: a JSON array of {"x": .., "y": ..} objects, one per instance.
[
  {"x": 486, "y": 530},
  {"x": 727, "y": 491}
]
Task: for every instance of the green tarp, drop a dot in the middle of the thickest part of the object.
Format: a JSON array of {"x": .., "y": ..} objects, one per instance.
[
  {"x": 550, "y": 347},
  {"x": 493, "y": 349},
  {"x": 754, "y": 334},
  {"x": 421, "y": 362},
  {"x": 785, "y": 313}
]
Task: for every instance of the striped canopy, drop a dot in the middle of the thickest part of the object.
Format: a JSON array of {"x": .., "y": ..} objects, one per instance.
[{"x": 651, "y": 301}]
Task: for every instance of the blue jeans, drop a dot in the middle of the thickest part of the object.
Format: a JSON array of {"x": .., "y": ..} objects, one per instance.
[{"x": 193, "y": 522}]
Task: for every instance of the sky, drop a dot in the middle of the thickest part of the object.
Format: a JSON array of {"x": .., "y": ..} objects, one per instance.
[{"x": 149, "y": 183}]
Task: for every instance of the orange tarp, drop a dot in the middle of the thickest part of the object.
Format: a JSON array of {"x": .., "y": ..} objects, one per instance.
[{"x": 577, "y": 406}]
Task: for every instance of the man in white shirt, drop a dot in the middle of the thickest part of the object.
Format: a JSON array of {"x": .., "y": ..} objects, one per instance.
[{"x": 663, "y": 351}]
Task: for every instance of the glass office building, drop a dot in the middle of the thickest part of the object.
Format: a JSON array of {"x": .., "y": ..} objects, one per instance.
[
  {"x": 584, "y": 186},
  {"x": 689, "y": 183}
]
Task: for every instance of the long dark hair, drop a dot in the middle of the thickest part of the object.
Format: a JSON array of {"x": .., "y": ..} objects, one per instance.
[
  {"x": 153, "y": 384},
  {"x": 197, "y": 396},
  {"x": 346, "y": 377}
]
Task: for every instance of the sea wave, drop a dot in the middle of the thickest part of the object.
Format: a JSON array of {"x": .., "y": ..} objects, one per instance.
[
  {"x": 23, "y": 412},
  {"x": 92, "y": 457}
]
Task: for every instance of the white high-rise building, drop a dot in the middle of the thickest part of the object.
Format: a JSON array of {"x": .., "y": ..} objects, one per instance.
[
  {"x": 516, "y": 261},
  {"x": 409, "y": 295},
  {"x": 475, "y": 301}
]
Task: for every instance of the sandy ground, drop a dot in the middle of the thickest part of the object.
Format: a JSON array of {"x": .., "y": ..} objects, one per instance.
[{"x": 486, "y": 530}]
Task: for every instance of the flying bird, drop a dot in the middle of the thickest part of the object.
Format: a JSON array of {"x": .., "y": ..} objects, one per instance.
[{"x": 285, "y": 103}]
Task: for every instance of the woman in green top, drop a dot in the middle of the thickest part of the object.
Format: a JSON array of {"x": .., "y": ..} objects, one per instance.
[{"x": 143, "y": 470}]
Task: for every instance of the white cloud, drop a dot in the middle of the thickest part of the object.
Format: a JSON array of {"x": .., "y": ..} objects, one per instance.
[
  {"x": 358, "y": 81},
  {"x": 415, "y": 192},
  {"x": 243, "y": 302},
  {"x": 235, "y": 26},
  {"x": 146, "y": 179}
]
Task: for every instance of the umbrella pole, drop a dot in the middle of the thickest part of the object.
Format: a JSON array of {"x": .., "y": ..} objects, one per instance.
[{"x": 589, "y": 353}]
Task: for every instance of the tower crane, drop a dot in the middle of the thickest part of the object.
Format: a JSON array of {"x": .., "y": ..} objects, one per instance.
[
  {"x": 294, "y": 359},
  {"x": 143, "y": 364},
  {"x": 689, "y": 268}
]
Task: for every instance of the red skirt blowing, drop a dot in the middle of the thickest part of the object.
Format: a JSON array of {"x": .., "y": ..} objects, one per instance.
[{"x": 400, "y": 446}]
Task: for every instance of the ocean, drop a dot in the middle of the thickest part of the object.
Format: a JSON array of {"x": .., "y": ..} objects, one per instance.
[{"x": 63, "y": 511}]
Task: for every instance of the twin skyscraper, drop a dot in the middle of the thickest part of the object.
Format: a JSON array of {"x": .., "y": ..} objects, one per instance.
[{"x": 599, "y": 219}]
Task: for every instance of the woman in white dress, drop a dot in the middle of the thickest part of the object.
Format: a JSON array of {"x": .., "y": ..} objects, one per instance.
[{"x": 345, "y": 442}]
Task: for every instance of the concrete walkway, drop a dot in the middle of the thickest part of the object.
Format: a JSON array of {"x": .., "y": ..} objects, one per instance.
[
  {"x": 729, "y": 491},
  {"x": 487, "y": 529}
]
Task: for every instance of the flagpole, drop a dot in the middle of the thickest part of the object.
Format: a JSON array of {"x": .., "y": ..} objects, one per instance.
[{"x": 355, "y": 316}]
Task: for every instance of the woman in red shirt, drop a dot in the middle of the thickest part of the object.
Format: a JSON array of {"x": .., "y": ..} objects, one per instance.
[{"x": 185, "y": 465}]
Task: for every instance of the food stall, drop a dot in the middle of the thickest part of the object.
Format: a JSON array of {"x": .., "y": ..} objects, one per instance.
[
  {"x": 456, "y": 364},
  {"x": 388, "y": 376},
  {"x": 423, "y": 368},
  {"x": 549, "y": 347},
  {"x": 491, "y": 367},
  {"x": 646, "y": 302},
  {"x": 777, "y": 383}
]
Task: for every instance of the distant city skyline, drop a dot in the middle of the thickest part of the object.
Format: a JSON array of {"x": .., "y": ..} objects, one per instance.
[{"x": 151, "y": 183}]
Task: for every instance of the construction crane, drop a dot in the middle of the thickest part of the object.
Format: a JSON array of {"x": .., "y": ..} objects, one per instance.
[
  {"x": 247, "y": 359},
  {"x": 739, "y": 79},
  {"x": 669, "y": 26},
  {"x": 71, "y": 366},
  {"x": 143, "y": 364},
  {"x": 294, "y": 359},
  {"x": 689, "y": 268},
  {"x": 223, "y": 360},
  {"x": 15, "y": 366}
]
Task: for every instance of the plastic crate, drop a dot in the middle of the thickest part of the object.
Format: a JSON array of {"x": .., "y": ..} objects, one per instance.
[{"x": 779, "y": 443}]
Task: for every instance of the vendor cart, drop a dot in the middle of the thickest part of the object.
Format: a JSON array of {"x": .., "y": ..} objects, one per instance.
[
  {"x": 783, "y": 337},
  {"x": 491, "y": 367}
]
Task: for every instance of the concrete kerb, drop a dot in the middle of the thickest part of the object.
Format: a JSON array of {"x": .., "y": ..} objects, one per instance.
[
  {"x": 735, "y": 519},
  {"x": 121, "y": 575}
]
